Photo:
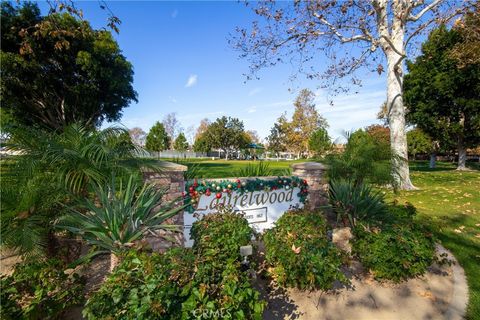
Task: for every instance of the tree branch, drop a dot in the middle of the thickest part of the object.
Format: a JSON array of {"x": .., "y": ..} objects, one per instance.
[
  {"x": 424, "y": 10},
  {"x": 341, "y": 37}
]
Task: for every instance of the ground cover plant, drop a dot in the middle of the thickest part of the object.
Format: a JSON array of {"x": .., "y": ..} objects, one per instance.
[
  {"x": 204, "y": 282},
  {"x": 394, "y": 247},
  {"x": 299, "y": 254},
  {"x": 39, "y": 290},
  {"x": 143, "y": 286}
]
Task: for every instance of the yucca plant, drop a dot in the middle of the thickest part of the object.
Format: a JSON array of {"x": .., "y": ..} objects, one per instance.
[
  {"x": 121, "y": 215},
  {"x": 259, "y": 169},
  {"x": 49, "y": 169},
  {"x": 352, "y": 202}
]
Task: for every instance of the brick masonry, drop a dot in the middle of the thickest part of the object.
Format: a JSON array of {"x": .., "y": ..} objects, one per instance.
[{"x": 169, "y": 180}]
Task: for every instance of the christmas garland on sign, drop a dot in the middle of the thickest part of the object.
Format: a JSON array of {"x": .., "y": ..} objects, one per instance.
[{"x": 196, "y": 188}]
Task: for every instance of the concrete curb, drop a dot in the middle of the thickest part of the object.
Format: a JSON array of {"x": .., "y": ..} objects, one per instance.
[{"x": 458, "y": 305}]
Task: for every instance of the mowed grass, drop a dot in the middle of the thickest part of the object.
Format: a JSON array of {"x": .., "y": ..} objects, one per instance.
[
  {"x": 230, "y": 168},
  {"x": 449, "y": 201}
]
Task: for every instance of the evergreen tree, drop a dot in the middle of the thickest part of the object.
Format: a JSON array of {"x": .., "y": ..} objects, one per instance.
[
  {"x": 319, "y": 142},
  {"x": 181, "y": 143},
  {"x": 443, "y": 98},
  {"x": 157, "y": 138}
]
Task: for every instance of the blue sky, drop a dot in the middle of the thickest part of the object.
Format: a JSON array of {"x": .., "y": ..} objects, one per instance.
[{"x": 183, "y": 64}]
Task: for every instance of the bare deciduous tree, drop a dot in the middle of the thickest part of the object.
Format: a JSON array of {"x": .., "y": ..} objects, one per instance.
[
  {"x": 172, "y": 125},
  {"x": 354, "y": 34},
  {"x": 138, "y": 136}
]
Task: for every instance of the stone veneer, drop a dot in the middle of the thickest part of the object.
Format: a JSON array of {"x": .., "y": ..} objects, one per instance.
[
  {"x": 315, "y": 174},
  {"x": 169, "y": 179}
]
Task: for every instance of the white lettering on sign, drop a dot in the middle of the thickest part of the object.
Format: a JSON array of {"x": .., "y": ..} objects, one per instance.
[{"x": 260, "y": 208}]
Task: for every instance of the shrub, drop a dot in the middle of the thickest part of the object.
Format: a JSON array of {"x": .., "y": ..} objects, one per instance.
[
  {"x": 143, "y": 287},
  {"x": 39, "y": 290},
  {"x": 221, "y": 234},
  {"x": 220, "y": 289},
  {"x": 352, "y": 203},
  {"x": 299, "y": 253},
  {"x": 396, "y": 248},
  {"x": 363, "y": 160},
  {"x": 203, "y": 282}
]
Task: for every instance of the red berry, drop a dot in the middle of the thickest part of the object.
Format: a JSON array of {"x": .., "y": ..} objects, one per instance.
[
  {"x": 218, "y": 195},
  {"x": 191, "y": 189}
]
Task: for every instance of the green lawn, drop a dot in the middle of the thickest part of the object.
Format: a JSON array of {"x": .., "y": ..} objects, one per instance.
[
  {"x": 449, "y": 200},
  {"x": 224, "y": 168}
]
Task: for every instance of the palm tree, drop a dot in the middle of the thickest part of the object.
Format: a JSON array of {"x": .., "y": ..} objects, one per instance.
[
  {"x": 53, "y": 168},
  {"x": 119, "y": 217}
]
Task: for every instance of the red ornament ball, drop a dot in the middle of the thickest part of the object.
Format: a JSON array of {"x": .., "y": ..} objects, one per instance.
[{"x": 218, "y": 195}]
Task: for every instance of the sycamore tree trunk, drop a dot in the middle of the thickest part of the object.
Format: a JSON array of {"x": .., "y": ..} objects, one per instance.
[
  {"x": 462, "y": 154},
  {"x": 396, "y": 108},
  {"x": 462, "y": 151},
  {"x": 433, "y": 158}
]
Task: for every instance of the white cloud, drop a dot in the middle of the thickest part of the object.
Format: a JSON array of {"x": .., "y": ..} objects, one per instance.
[
  {"x": 174, "y": 14},
  {"x": 192, "y": 80},
  {"x": 252, "y": 109},
  {"x": 198, "y": 116},
  {"x": 172, "y": 99},
  {"x": 254, "y": 91}
]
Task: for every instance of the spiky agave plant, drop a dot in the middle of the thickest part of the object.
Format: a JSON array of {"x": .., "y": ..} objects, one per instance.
[
  {"x": 52, "y": 168},
  {"x": 122, "y": 214},
  {"x": 352, "y": 202}
]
